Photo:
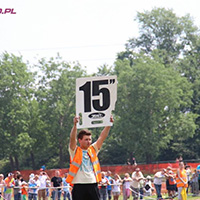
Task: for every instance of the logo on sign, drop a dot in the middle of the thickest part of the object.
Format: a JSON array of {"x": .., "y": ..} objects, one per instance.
[{"x": 96, "y": 115}]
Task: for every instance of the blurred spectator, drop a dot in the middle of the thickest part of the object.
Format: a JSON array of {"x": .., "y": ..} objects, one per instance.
[
  {"x": 189, "y": 173},
  {"x": 109, "y": 187},
  {"x": 158, "y": 182},
  {"x": 56, "y": 182},
  {"x": 126, "y": 185},
  {"x": 103, "y": 186},
  {"x": 24, "y": 190},
  {"x": 116, "y": 187},
  {"x": 66, "y": 188},
  {"x": 2, "y": 183},
  {"x": 195, "y": 183},
  {"x": 148, "y": 186},
  {"x": 141, "y": 188},
  {"x": 43, "y": 177},
  {"x": 137, "y": 176},
  {"x": 9, "y": 184},
  {"x": 17, "y": 187},
  {"x": 172, "y": 184},
  {"x": 181, "y": 180},
  {"x": 33, "y": 184}
]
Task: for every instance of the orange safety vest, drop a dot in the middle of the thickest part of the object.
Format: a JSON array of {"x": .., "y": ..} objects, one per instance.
[
  {"x": 183, "y": 175},
  {"x": 77, "y": 160}
]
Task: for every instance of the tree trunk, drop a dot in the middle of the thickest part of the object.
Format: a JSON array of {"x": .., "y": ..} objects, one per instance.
[
  {"x": 60, "y": 143},
  {"x": 16, "y": 163},
  {"x": 11, "y": 163},
  {"x": 61, "y": 155},
  {"x": 32, "y": 160}
]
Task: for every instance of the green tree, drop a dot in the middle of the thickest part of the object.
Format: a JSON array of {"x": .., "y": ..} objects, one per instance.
[
  {"x": 56, "y": 95},
  {"x": 173, "y": 41},
  {"x": 152, "y": 107},
  {"x": 15, "y": 94},
  {"x": 163, "y": 32}
]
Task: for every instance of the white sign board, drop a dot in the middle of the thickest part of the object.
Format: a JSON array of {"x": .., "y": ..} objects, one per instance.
[{"x": 95, "y": 100}]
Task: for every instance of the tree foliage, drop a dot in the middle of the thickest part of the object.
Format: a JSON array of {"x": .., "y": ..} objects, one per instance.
[{"x": 151, "y": 106}]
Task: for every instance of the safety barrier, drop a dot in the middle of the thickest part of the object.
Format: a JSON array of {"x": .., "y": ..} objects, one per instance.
[{"x": 119, "y": 169}]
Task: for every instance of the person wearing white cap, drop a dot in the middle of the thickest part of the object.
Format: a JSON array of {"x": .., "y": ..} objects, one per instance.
[{"x": 33, "y": 184}]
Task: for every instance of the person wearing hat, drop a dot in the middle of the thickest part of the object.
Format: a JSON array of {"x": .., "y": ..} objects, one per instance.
[
  {"x": 167, "y": 180},
  {"x": 9, "y": 184},
  {"x": 172, "y": 184},
  {"x": 33, "y": 184},
  {"x": 137, "y": 176},
  {"x": 158, "y": 177},
  {"x": 148, "y": 186}
]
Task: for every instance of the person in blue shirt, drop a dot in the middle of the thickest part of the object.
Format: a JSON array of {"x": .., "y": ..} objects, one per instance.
[
  {"x": 198, "y": 171},
  {"x": 109, "y": 187},
  {"x": 66, "y": 188}
]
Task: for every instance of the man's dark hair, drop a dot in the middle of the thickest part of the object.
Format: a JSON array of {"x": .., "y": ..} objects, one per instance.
[{"x": 82, "y": 133}]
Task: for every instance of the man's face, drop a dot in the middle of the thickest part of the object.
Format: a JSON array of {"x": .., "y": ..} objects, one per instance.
[
  {"x": 85, "y": 142},
  {"x": 181, "y": 165},
  {"x": 57, "y": 173}
]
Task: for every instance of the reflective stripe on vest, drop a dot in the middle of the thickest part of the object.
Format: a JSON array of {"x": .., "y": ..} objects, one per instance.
[{"x": 77, "y": 160}]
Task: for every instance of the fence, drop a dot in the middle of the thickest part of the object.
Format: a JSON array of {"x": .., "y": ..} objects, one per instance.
[{"x": 119, "y": 169}]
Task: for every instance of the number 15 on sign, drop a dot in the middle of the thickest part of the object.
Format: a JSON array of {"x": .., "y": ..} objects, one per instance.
[{"x": 95, "y": 100}]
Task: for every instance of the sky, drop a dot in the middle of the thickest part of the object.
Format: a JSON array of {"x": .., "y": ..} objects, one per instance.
[{"x": 91, "y": 32}]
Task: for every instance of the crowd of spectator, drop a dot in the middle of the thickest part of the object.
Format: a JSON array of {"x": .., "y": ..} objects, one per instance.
[
  {"x": 131, "y": 186},
  {"x": 39, "y": 186},
  {"x": 174, "y": 182}
]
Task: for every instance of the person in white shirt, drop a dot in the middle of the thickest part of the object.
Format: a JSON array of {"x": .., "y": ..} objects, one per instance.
[
  {"x": 126, "y": 186},
  {"x": 137, "y": 176},
  {"x": 103, "y": 186},
  {"x": 2, "y": 183},
  {"x": 158, "y": 177},
  {"x": 148, "y": 186},
  {"x": 43, "y": 184},
  {"x": 116, "y": 186}
]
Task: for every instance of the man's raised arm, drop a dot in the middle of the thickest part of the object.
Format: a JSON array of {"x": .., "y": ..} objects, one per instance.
[
  {"x": 103, "y": 135},
  {"x": 73, "y": 134}
]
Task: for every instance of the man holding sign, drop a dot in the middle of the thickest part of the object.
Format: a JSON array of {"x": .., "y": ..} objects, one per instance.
[{"x": 84, "y": 171}]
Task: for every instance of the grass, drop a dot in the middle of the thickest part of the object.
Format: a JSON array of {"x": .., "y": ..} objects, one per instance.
[{"x": 190, "y": 197}]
